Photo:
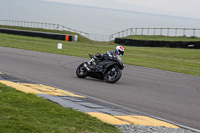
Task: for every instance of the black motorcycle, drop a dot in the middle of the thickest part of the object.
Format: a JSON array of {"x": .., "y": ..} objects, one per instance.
[{"x": 108, "y": 69}]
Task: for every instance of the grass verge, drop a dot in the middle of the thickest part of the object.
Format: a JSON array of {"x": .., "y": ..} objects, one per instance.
[{"x": 21, "y": 112}]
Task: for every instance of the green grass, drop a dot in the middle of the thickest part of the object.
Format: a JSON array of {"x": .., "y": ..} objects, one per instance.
[
  {"x": 28, "y": 113},
  {"x": 163, "y": 38},
  {"x": 180, "y": 60}
]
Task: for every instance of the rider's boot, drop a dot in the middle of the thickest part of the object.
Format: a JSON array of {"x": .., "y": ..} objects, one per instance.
[{"x": 91, "y": 63}]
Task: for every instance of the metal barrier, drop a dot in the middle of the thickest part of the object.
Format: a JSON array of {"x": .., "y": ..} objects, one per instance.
[
  {"x": 157, "y": 31},
  {"x": 106, "y": 38},
  {"x": 50, "y": 26}
]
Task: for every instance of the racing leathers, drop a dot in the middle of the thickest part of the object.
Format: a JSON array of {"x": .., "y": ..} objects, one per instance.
[{"x": 109, "y": 55}]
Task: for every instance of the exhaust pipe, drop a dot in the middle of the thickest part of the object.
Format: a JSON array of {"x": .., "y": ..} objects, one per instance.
[{"x": 85, "y": 65}]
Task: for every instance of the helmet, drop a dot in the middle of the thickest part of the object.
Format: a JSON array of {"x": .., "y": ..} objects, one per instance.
[{"x": 119, "y": 50}]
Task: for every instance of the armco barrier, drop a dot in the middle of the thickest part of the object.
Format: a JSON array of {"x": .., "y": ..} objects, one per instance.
[
  {"x": 148, "y": 43},
  {"x": 40, "y": 34}
]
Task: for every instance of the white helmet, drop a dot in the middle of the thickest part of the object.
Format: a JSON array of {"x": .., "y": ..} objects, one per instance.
[{"x": 119, "y": 50}]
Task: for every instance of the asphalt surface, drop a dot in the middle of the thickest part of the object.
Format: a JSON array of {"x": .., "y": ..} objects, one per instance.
[{"x": 168, "y": 95}]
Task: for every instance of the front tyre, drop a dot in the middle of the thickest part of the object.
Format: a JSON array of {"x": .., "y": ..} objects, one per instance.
[
  {"x": 81, "y": 71},
  {"x": 113, "y": 75}
]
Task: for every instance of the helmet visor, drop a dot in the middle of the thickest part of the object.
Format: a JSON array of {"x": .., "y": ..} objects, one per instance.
[{"x": 120, "y": 52}]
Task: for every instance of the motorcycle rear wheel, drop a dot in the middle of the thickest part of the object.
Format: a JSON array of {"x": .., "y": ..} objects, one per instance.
[
  {"x": 113, "y": 75},
  {"x": 81, "y": 71}
]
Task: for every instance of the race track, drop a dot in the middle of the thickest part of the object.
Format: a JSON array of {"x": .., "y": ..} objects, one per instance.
[{"x": 168, "y": 95}]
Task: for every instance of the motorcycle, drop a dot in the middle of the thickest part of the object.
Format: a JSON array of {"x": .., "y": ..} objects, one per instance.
[{"x": 109, "y": 69}]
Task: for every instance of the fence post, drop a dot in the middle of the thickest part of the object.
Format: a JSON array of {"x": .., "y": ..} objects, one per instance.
[
  {"x": 118, "y": 34},
  {"x": 49, "y": 26},
  {"x": 160, "y": 31},
  {"x": 148, "y": 31},
  {"x": 184, "y": 32},
  {"x": 132, "y": 31},
  {"x": 193, "y": 32},
  {"x": 167, "y": 31},
  {"x": 142, "y": 31},
  {"x": 136, "y": 31},
  {"x": 176, "y": 32}
]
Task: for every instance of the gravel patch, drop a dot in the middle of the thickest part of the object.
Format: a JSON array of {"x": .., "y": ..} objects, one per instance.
[{"x": 150, "y": 129}]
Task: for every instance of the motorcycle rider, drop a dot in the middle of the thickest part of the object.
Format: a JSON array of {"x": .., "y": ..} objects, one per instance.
[{"x": 119, "y": 51}]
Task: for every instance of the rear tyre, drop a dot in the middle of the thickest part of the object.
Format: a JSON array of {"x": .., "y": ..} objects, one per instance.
[
  {"x": 81, "y": 71},
  {"x": 113, "y": 75}
]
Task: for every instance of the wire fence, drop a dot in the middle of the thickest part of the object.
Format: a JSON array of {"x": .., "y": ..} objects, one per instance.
[
  {"x": 98, "y": 37},
  {"x": 50, "y": 26},
  {"x": 189, "y": 32}
]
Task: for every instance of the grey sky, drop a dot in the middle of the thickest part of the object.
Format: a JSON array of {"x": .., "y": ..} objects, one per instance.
[{"x": 184, "y": 8}]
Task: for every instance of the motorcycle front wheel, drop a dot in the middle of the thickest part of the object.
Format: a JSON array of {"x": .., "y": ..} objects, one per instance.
[
  {"x": 113, "y": 75},
  {"x": 81, "y": 71}
]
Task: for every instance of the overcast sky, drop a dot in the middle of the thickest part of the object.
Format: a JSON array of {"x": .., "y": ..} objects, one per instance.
[{"x": 184, "y": 8}]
